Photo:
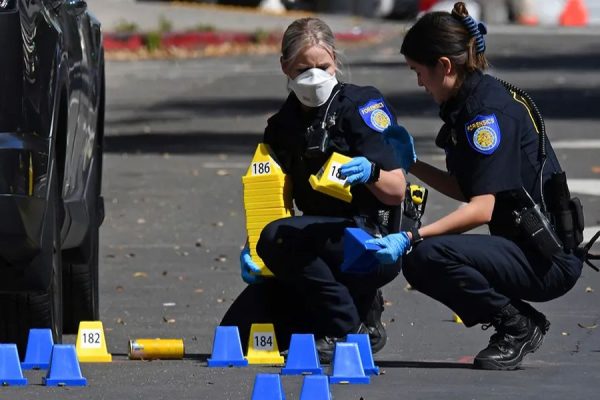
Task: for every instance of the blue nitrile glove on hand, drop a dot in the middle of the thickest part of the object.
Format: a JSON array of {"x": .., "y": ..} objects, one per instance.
[
  {"x": 249, "y": 268},
  {"x": 403, "y": 144},
  {"x": 392, "y": 246},
  {"x": 357, "y": 170}
]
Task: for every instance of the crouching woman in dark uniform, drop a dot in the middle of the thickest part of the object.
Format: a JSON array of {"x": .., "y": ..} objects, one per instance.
[
  {"x": 497, "y": 166},
  {"x": 320, "y": 116}
]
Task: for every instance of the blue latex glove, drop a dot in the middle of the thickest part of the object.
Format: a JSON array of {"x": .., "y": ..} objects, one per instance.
[
  {"x": 393, "y": 247},
  {"x": 357, "y": 170},
  {"x": 249, "y": 268},
  {"x": 404, "y": 145}
]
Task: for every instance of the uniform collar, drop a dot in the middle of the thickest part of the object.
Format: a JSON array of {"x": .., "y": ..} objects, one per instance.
[{"x": 450, "y": 110}]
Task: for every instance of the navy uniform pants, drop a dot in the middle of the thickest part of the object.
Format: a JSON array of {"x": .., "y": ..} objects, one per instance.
[
  {"x": 477, "y": 275},
  {"x": 309, "y": 292}
]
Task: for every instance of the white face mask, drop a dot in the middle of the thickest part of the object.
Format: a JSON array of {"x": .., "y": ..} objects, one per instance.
[{"x": 313, "y": 87}]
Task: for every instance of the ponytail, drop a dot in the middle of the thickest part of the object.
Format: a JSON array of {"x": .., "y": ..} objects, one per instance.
[{"x": 454, "y": 35}]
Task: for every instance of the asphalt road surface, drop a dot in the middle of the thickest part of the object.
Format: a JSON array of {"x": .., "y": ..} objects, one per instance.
[{"x": 180, "y": 135}]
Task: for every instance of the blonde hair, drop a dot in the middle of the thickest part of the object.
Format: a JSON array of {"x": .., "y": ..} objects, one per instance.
[{"x": 305, "y": 32}]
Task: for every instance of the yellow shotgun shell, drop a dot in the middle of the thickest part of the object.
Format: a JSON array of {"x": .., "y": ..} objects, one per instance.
[{"x": 156, "y": 349}]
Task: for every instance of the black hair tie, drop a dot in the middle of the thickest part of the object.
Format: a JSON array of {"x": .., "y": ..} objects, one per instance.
[{"x": 476, "y": 30}]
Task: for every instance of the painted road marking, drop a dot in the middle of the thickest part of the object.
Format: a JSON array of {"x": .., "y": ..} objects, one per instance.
[
  {"x": 585, "y": 186},
  {"x": 583, "y": 144},
  {"x": 590, "y": 231}
]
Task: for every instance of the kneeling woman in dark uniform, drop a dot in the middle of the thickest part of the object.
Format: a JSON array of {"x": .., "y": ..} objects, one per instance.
[
  {"x": 492, "y": 144},
  {"x": 309, "y": 292}
]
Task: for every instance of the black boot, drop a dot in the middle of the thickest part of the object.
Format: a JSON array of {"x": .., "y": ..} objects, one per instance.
[
  {"x": 326, "y": 345},
  {"x": 376, "y": 330},
  {"x": 517, "y": 334}
]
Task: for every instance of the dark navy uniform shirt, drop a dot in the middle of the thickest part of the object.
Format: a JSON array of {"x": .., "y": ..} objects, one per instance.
[
  {"x": 491, "y": 145},
  {"x": 357, "y": 117}
]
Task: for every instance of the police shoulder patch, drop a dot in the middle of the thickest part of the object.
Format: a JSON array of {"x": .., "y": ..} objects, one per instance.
[
  {"x": 483, "y": 133},
  {"x": 376, "y": 114}
]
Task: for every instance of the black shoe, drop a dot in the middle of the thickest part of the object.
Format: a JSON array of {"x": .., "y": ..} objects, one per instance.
[
  {"x": 516, "y": 335},
  {"x": 375, "y": 329},
  {"x": 326, "y": 345}
]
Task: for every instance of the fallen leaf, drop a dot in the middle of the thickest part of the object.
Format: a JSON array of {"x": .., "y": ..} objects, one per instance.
[
  {"x": 120, "y": 321},
  {"x": 222, "y": 172},
  {"x": 141, "y": 221},
  {"x": 169, "y": 320},
  {"x": 408, "y": 288},
  {"x": 596, "y": 169},
  {"x": 220, "y": 300},
  {"x": 589, "y": 289},
  {"x": 221, "y": 258},
  {"x": 130, "y": 255},
  {"x": 199, "y": 290},
  {"x": 218, "y": 223},
  {"x": 199, "y": 243},
  {"x": 170, "y": 304},
  {"x": 594, "y": 326},
  {"x": 565, "y": 333},
  {"x": 140, "y": 275},
  {"x": 120, "y": 289},
  {"x": 387, "y": 303}
]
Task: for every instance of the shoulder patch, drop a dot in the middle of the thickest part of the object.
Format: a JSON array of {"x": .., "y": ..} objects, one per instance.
[
  {"x": 483, "y": 133},
  {"x": 376, "y": 114}
]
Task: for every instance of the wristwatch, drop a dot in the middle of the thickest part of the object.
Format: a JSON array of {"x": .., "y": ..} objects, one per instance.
[
  {"x": 375, "y": 172},
  {"x": 416, "y": 237}
]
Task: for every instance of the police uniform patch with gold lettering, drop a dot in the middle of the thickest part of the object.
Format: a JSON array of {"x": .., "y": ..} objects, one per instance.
[
  {"x": 376, "y": 115},
  {"x": 483, "y": 133}
]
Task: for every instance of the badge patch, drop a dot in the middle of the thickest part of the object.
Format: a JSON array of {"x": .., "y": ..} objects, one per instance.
[
  {"x": 376, "y": 115},
  {"x": 483, "y": 133}
]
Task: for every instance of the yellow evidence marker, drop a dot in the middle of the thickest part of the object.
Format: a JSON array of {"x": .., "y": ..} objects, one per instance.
[
  {"x": 91, "y": 343},
  {"x": 267, "y": 197},
  {"x": 262, "y": 346},
  {"x": 329, "y": 181}
]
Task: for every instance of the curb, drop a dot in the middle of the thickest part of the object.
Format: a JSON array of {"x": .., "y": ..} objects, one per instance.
[{"x": 198, "y": 40}]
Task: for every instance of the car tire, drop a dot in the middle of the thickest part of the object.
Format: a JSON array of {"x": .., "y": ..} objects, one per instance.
[
  {"x": 21, "y": 312},
  {"x": 80, "y": 271},
  {"x": 80, "y": 284}
]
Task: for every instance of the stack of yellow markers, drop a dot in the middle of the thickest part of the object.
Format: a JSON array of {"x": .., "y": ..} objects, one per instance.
[{"x": 267, "y": 197}]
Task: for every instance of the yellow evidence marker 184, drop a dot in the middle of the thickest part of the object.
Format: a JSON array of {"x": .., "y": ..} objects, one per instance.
[{"x": 262, "y": 346}]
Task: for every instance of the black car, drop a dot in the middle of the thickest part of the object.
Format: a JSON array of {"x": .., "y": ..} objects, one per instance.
[{"x": 51, "y": 133}]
